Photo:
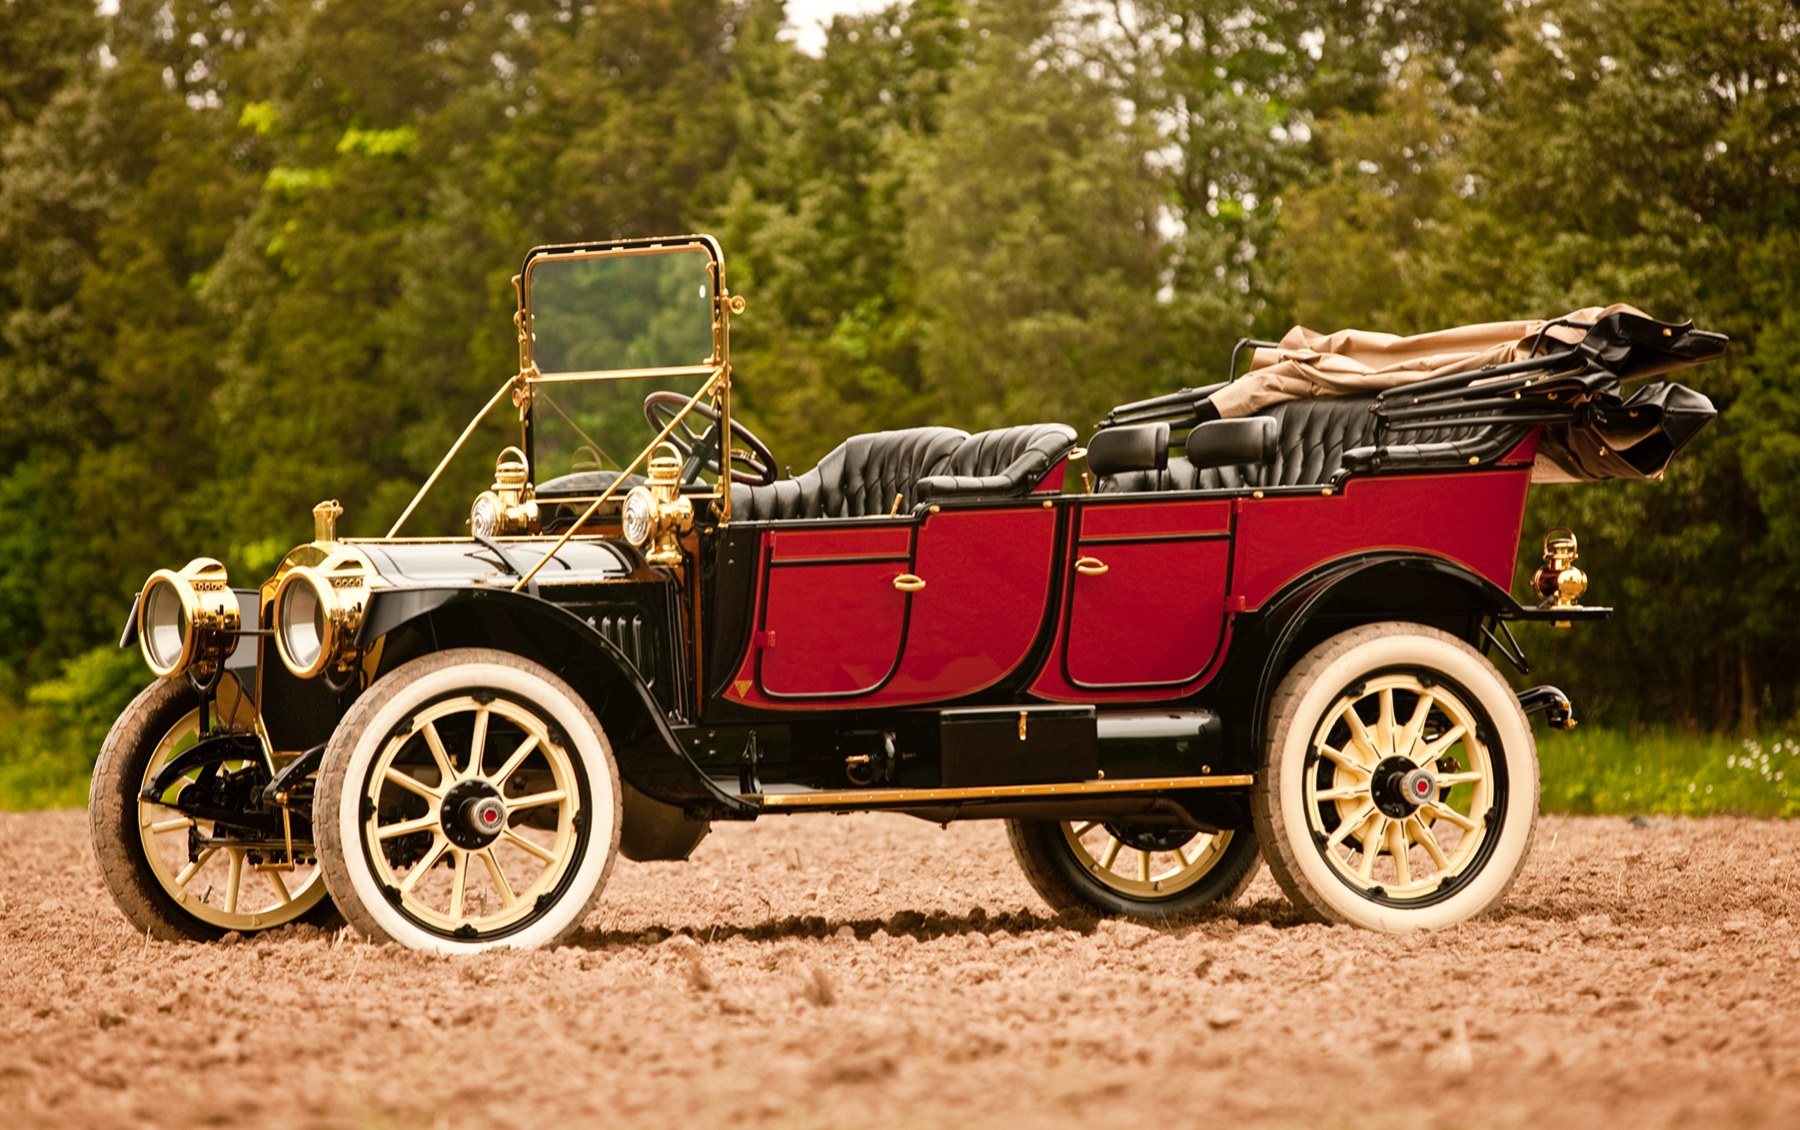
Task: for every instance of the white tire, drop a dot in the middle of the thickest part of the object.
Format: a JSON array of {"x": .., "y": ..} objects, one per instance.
[
  {"x": 468, "y": 801},
  {"x": 1399, "y": 789}
]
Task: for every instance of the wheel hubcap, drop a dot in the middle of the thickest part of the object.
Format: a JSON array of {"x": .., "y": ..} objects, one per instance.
[
  {"x": 474, "y": 814},
  {"x": 1399, "y": 787}
]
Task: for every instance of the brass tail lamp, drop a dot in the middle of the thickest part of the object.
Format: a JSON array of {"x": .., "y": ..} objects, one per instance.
[{"x": 1558, "y": 581}]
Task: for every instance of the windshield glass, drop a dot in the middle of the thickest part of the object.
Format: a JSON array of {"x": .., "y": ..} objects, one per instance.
[
  {"x": 601, "y": 313},
  {"x": 609, "y": 332}
]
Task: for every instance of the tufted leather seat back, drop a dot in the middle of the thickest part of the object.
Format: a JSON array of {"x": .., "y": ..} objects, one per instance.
[
  {"x": 1314, "y": 436},
  {"x": 859, "y": 477},
  {"x": 1003, "y": 463}
]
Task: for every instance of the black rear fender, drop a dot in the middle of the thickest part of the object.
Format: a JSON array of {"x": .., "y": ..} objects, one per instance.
[
  {"x": 1342, "y": 595},
  {"x": 414, "y": 622}
]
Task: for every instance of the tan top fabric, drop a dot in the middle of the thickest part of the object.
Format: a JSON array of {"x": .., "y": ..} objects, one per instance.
[{"x": 1308, "y": 364}]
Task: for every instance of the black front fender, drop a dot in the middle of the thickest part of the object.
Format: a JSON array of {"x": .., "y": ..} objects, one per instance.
[{"x": 651, "y": 759}]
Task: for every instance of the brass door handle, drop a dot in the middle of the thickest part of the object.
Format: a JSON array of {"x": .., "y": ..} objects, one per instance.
[
  {"x": 1092, "y": 566},
  {"x": 907, "y": 582}
]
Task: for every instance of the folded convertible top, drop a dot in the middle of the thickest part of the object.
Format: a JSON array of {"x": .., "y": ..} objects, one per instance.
[
  {"x": 1564, "y": 373},
  {"x": 1620, "y": 341}
]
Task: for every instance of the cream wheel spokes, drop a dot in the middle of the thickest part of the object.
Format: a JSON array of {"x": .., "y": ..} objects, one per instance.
[
  {"x": 473, "y": 815},
  {"x": 1145, "y": 863},
  {"x": 1399, "y": 786},
  {"x": 228, "y": 883}
]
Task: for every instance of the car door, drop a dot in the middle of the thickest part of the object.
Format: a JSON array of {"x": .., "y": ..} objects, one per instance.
[
  {"x": 897, "y": 611},
  {"x": 1144, "y": 605},
  {"x": 985, "y": 575},
  {"x": 832, "y": 608}
]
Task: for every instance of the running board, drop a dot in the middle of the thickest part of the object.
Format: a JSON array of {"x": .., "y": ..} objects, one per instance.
[{"x": 863, "y": 798}]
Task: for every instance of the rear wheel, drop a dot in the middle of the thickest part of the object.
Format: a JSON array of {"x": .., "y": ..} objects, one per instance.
[
  {"x": 1399, "y": 789},
  {"x": 469, "y": 800},
  {"x": 175, "y": 876},
  {"x": 1132, "y": 870}
]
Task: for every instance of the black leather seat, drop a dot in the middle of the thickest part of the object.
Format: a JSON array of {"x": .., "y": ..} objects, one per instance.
[
  {"x": 1313, "y": 438},
  {"x": 1003, "y": 463},
  {"x": 859, "y": 477}
]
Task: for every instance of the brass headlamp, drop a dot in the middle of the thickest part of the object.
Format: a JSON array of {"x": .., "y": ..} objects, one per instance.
[
  {"x": 1558, "y": 581},
  {"x": 507, "y": 507},
  {"x": 317, "y": 611},
  {"x": 655, "y": 515},
  {"x": 187, "y": 619}
]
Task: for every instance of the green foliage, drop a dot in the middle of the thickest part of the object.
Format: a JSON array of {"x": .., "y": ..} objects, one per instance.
[
  {"x": 256, "y": 255},
  {"x": 55, "y": 734},
  {"x": 1639, "y": 151},
  {"x": 1032, "y": 238},
  {"x": 402, "y": 142}
]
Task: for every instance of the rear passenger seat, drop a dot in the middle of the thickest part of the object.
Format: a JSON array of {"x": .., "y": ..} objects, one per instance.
[{"x": 1314, "y": 436}]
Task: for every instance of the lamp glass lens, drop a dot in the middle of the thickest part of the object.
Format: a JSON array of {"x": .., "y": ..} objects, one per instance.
[
  {"x": 166, "y": 626},
  {"x": 303, "y": 625},
  {"x": 636, "y": 518}
]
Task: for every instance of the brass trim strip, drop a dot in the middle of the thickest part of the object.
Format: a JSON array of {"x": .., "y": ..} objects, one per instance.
[
  {"x": 826, "y": 798},
  {"x": 573, "y": 376}
]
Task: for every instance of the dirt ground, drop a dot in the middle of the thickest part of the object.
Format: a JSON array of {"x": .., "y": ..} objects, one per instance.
[{"x": 873, "y": 970}]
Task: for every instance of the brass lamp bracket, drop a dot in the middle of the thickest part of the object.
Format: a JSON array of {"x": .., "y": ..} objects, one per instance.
[{"x": 325, "y": 516}]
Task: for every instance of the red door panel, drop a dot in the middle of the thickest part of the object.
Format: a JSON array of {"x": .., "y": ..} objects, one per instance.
[
  {"x": 830, "y": 621},
  {"x": 1145, "y": 614},
  {"x": 1154, "y": 617},
  {"x": 987, "y": 582},
  {"x": 840, "y": 543}
]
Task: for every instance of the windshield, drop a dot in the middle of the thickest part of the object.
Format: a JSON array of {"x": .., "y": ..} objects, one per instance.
[{"x": 619, "y": 340}]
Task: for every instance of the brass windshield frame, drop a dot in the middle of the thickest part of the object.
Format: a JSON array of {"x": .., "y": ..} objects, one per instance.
[{"x": 716, "y": 370}]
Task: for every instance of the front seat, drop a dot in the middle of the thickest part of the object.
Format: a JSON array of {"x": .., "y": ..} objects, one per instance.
[{"x": 859, "y": 477}]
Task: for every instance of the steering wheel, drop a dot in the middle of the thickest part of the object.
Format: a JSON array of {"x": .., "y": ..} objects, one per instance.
[{"x": 752, "y": 464}]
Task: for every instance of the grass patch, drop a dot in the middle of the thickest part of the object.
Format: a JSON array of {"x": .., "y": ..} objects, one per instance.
[{"x": 1613, "y": 772}]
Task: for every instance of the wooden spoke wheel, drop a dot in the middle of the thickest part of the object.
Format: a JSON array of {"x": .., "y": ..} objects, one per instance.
[
  {"x": 1400, "y": 787},
  {"x": 174, "y": 875},
  {"x": 468, "y": 800},
  {"x": 1132, "y": 870}
]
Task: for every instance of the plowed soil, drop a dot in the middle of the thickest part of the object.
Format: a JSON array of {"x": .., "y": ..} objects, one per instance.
[{"x": 861, "y": 971}]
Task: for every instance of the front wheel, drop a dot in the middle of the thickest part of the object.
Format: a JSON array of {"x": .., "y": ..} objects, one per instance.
[
  {"x": 179, "y": 876},
  {"x": 1132, "y": 870},
  {"x": 468, "y": 801},
  {"x": 1399, "y": 789}
]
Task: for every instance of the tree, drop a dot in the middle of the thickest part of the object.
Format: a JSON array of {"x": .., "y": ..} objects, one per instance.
[
  {"x": 1641, "y": 151},
  {"x": 815, "y": 220},
  {"x": 1032, "y": 233}
]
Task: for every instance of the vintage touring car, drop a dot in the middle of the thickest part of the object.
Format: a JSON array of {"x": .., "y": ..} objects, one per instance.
[{"x": 1195, "y": 643}]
